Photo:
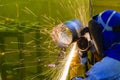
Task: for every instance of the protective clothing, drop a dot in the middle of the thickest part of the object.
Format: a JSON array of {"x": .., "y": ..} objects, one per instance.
[
  {"x": 107, "y": 39},
  {"x": 107, "y": 21},
  {"x": 106, "y": 69}
]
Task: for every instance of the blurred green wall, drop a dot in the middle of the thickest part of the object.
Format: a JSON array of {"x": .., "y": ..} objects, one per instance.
[
  {"x": 27, "y": 55},
  {"x": 45, "y": 14},
  {"x": 101, "y": 5},
  {"x": 33, "y": 10}
]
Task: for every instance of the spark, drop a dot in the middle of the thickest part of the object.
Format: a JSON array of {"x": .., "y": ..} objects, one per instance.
[
  {"x": 17, "y": 11},
  {"x": 30, "y": 11},
  {"x": 2, "y": 53},
  {"x": 78, "y": 12},
  {"x": 67, "y": 64}
]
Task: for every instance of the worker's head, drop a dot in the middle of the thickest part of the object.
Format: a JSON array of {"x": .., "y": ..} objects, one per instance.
[{"x": 105, "y": 30}]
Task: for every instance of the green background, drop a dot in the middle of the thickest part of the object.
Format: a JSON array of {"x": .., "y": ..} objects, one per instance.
[{"x": 26, "y": 47}]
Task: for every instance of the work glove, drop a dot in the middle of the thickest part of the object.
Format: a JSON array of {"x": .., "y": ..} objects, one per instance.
[
  {"x": 77, "y": 78},
  {"x": 83, "y": 56}
]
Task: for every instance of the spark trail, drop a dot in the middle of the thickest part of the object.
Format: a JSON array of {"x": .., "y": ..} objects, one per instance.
[{"x": 67, "y": 64}]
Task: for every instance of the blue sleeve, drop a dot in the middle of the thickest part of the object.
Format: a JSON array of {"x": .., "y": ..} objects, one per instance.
[{"x": 107, "y": 69}]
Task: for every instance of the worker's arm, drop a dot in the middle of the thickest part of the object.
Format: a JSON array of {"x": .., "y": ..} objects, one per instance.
[{"x": 106, "y": 69}]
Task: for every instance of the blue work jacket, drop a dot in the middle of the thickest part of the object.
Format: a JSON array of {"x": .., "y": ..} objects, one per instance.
[{"x": 107, "y": 69}]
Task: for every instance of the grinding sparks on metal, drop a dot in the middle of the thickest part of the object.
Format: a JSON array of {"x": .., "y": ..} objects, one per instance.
[{"x": 67, "y": 64}]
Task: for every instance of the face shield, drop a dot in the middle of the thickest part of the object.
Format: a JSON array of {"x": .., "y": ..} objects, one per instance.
[
  {"x": 107, "y": 32},
  {"x": 96, "y": 34}
]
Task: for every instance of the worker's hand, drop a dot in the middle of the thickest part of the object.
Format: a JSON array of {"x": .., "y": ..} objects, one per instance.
[
  {"x": 77, "y": 78},
  {"x": 83, "y": 56}
]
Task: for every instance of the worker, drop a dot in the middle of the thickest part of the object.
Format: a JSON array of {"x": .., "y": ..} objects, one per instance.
[{"x": 105, "y": 32}]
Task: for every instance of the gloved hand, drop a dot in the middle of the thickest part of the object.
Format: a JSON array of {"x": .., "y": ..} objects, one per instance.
[
  {"x": 77, "y": 78},
  {"x": 83, "y": 57}
]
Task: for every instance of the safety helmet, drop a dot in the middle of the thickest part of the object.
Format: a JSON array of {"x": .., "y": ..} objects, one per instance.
[{"x": 105, "y": 30}]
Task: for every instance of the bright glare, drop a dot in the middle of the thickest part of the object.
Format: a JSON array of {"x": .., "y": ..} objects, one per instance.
[
  {"x": 61, "y": 35},
  {"x": 67, "y": 64}
]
